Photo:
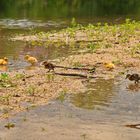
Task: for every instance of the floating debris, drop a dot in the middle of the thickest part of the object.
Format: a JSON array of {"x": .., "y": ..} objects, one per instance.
[{"x": 9, "y": 125}]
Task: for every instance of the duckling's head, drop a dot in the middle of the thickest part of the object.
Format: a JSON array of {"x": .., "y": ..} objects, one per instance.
[
  {"x": 45, "y": 63},
  {"x": 127, "y": 76},
  {"x": 109, "y": 65},
  {"x": 26, "y": 57},
  {"x": 6, "y": 59}
]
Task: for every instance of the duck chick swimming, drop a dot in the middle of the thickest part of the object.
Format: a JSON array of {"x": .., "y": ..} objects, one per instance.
[
  {"x": 30, "y": 59},
  {"x": 109, "y": 66},
  {"x": 4, "y": 61}
]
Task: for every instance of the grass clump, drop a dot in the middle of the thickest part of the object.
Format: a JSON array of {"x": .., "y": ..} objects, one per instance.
[
  {"x": 5, "y": 80},
  {"x": 62, "y": 95},
  {"x": 92, "y": 36}
]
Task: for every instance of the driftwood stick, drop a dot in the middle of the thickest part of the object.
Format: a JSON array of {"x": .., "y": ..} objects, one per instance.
[
  {"x": 76, "y": 68},
  {"x": 75, "y": 74},
  {"x": 79, "y": 41}
]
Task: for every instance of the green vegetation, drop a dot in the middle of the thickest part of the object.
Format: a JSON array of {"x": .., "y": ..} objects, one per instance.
[
  {"x": 62, "y": 95},
  {"x": 42, "y": 9},
  {"x": 93, "y": 36},
  {"x": 19, "y": 76},
  {"x": 5, "y": 81},
  {"x": 49, "y": 77},
  {"x": 31, "y": 90}
]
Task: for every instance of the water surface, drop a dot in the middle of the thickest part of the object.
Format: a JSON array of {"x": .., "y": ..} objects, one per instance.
[
  {"x": 28, "y": 16},
  {"x": 100, "y": 114}
]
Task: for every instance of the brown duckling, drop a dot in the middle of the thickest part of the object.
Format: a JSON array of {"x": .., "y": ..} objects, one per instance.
[
  {"x": 30, "y": 59},
  {"x": 48, "y": 65},
  {"x": 133, "y": 77}
]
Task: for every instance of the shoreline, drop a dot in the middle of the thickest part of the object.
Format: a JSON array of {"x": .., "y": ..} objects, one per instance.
[{"x": 118, "y": 45}]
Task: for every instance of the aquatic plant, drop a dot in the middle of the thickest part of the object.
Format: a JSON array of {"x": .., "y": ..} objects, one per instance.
[
  {"x": 19, "y": 76},
  {"x": 49, "y": 77},
  {"x": 73, "y": 22},
  {"x": 5, "y": 80},
  {"x": 31, "y": 90},
  {"x": 62, "y": 95}
]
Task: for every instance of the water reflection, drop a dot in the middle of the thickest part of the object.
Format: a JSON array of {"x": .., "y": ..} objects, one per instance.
[
  {"x": 30, "y": 67},
  {"x": 98, "y": 95},
  {"x": 25, "y": 23},
  {"x": 133, "y": 87},
  {"x": 15, "y": 52},
  {"x": 48, "y": 9},
  {"x": 3, "y": 68},
  {"x": 17, "y": 17}
]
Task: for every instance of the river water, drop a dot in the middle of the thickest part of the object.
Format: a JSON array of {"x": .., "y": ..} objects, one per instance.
[
  {"x": 104, "y": 110},
  {"x": 30, "y": 16}
]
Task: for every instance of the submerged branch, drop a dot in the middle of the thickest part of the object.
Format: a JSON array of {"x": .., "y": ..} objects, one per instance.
[{"x": 75, "y": 74}]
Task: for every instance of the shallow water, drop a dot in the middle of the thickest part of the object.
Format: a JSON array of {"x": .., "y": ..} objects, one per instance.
[
  {"x": 45, "y": 15},
  {"x": 96, "y": 114},
  {"x": 104, "y": 110}
]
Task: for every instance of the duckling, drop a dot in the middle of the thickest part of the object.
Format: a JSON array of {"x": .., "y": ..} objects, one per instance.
[
  {"x": 133, "y": 77},
  {"x": 48, "y": 65},
  {"x": 4, "y": 61},
  {"x": 3, "y": 68},
  {"x": 30, "y": 59},
  {"x": 110, "y": 66}
]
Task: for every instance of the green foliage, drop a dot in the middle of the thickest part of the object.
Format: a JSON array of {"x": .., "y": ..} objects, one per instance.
[
  {"x": 92, "y": 36},
  {"x": 73, "y": 22},
  {"x": 5, "y": 80},
  {"x": 49, "y": 77},
  {"x": 93, "y": 47},
  {"x": 42, "y": 9},
  {"x": 62, "y": 95},
  {"x": 31, "y": 90},
  {"x": 19, "y": 76},
  {"x": 4, "y": 76}
]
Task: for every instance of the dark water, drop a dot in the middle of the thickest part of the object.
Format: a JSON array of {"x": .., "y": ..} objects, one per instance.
[
  {"x": 65, "y": 9},
  {"x": 25, "y": 17}
]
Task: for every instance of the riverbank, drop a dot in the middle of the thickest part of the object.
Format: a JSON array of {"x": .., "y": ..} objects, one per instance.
[{"x": 117, "y": 45}]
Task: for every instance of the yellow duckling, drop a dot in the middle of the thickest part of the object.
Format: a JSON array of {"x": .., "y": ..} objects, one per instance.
[
  {"x": 4, "y": 61},
  {"x": 109, "y": 66},
  {"x": 30, "y": 59}
]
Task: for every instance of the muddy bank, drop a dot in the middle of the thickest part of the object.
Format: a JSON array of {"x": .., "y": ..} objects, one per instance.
[
  {"x": 115, "y": 45},
  {"x": 63, "y": 121},
  {"x": 37, "y": 86}
]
